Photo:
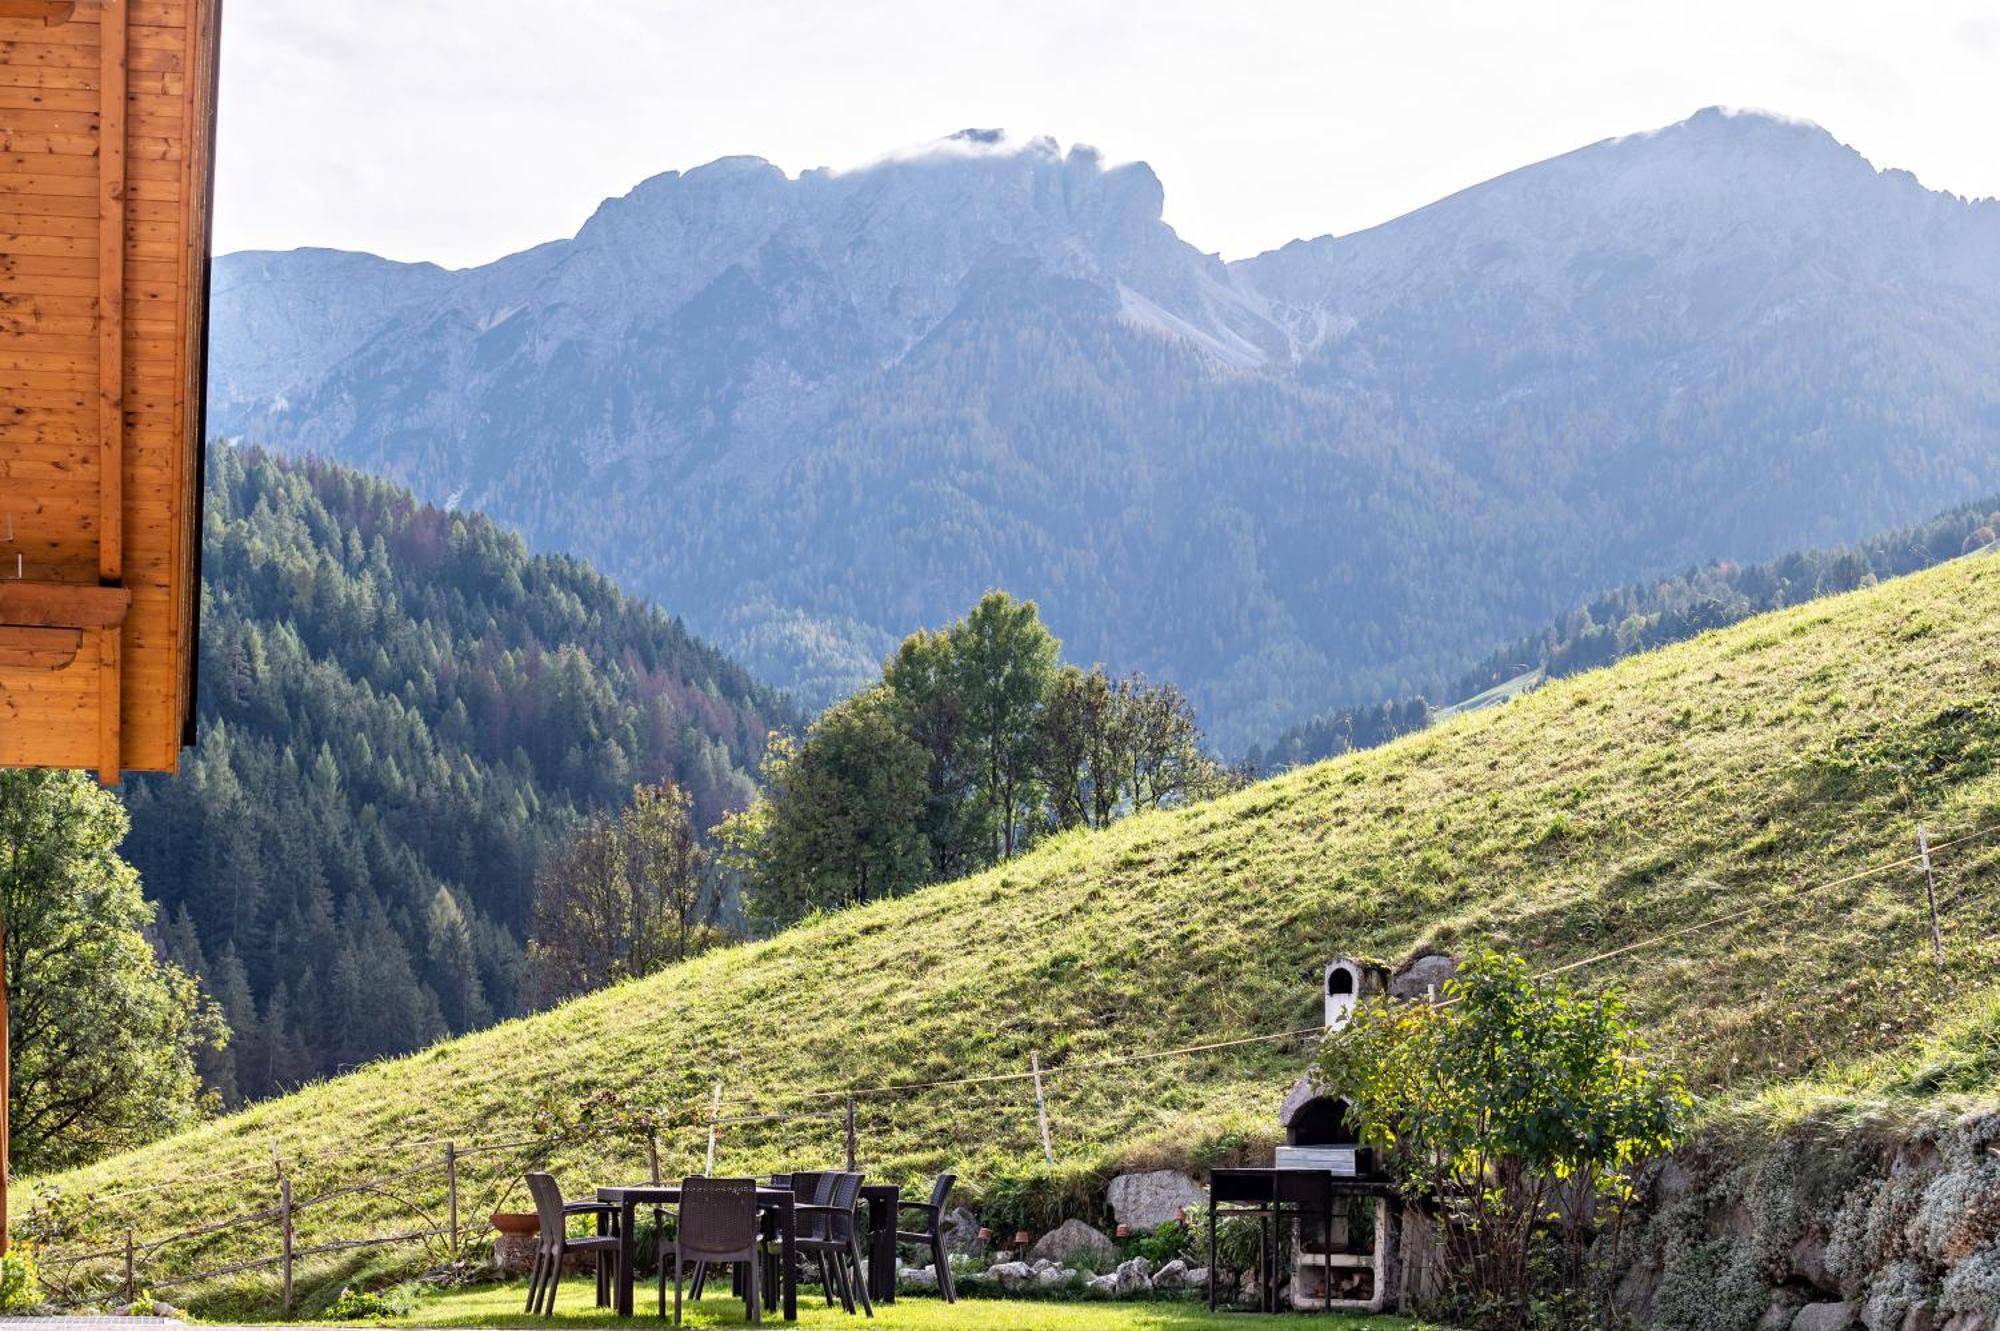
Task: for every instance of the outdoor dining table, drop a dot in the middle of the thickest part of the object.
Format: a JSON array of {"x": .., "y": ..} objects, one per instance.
[{"x": 776, "y": 1203}]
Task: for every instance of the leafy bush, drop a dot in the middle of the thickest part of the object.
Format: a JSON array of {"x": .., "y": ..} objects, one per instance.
[
  {"x": 20, "y": 1280},
  {"x": 1515, "y": 1113},
  {"x": 1159, "y": 1245}
]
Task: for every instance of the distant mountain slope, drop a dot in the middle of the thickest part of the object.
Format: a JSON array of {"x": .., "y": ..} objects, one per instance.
[
  {"x": 814, "y": 413},
  {"x": 1613, "y": 808},
  {"x": 1639, "y": 617},
  {"x": 399, "y": 711}
]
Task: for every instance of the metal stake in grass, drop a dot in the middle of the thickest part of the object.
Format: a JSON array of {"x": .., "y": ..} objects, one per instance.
[
  {"x": 1930, "y": 891},
  {"x": 1041, "y": 1108}
]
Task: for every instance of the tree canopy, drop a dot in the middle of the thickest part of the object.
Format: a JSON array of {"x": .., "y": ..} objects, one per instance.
[
  {"x": 103, "y": 1034},
  {"x": 976, "y": 742}
]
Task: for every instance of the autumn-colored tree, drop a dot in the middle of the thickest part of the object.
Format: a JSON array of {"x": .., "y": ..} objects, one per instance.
[{"x": 621, "y": 898}]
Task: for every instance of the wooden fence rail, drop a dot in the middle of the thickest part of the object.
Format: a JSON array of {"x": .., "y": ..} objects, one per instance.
[{"x": 133, "y": 1251}]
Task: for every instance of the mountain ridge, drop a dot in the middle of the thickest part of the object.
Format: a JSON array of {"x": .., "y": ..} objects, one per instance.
[{"x": 818, "y": 411}]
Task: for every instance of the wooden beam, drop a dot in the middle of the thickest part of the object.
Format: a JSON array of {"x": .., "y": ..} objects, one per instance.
[
  {"x": 37, "y": 649},
  {"x": 112, "y": 32},
  {"x": 48, "y": 12},
  {"x": 111, "y": 290},
  {"x": 63, "y": 605},
  {"x": 110, "y": 720}
]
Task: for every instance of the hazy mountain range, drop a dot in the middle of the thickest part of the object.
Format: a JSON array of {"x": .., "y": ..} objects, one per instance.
[{"x": 812, "y": 413}]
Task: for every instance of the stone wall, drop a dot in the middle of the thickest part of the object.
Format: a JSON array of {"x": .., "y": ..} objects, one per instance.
[{"x": 1835, "y": 1229}]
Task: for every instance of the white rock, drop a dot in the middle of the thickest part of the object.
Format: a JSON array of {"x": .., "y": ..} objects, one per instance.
[
  {"x": 1102, "y": 1284},
  {"x": 1073, "y": 1239},
  {"x": 1154, "y": 1198},
  {"x": 1134, "y": 1276}
]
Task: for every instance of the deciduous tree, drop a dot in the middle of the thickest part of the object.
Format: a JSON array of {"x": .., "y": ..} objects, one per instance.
[{"x": 104, "y": 1034}]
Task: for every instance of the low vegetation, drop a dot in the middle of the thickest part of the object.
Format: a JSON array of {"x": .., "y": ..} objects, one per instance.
[{"x": 1769, "y": 776}]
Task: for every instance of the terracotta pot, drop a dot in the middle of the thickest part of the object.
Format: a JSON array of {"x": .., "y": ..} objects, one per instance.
[
  {"x": 1124, "y": 1231},
  {"x": 985, "y": 1234},
  {"x": 1022, "y": 1238},
  {"x": 516, "y": 1222}
]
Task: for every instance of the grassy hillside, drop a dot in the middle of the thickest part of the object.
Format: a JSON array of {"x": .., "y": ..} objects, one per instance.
[{"x": 1717, "y": 775}]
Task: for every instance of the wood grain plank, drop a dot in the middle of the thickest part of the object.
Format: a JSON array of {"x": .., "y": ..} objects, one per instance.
[{"x": 38, "y": 649}]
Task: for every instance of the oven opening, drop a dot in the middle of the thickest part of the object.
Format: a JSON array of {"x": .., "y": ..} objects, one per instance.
[{"x": 1321, "y": 1122}]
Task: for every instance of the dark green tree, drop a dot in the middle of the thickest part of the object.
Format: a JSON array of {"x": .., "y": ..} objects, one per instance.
[
  {"x": 842, "y": 820},
  {"x": 104, "y": 1034},
  {"x": 1005, "y": 661}
]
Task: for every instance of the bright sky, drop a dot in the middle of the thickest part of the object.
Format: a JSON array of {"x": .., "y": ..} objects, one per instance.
[{"x": 461, "y": 130}]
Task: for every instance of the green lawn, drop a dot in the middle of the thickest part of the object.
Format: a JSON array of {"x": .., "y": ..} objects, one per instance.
[
  {"x": 500, "y": 1306},
  {"x": 1714, "y": 778}
]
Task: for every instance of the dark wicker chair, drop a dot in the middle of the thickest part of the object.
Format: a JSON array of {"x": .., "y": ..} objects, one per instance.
[
  {"x": 829, "y": 1231},
  {"x": 717, "y": 1223},
  {"x": 932, "y": 1233},
  {"x": 545, "y": 1273}
]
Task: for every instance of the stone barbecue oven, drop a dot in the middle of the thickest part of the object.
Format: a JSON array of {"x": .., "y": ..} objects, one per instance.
[{"x": 1355, "y": 1263}]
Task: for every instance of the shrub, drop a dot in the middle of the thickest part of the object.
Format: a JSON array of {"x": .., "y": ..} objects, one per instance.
[
  {"x": 1516, "y": 1112},
  {"x": 355, "y": 1305},
  {"x": 20, "y": 1280}
]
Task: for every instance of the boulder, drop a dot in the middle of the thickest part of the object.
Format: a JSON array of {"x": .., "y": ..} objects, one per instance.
[
  {"x": 1134, "y": 1276},
  {"x": 1154, "y": 1198},
  {"x": 1107, "y": 1284},
  {"x": 1922, "y": 1317},
  {"x": 1824, "y": 1317},
  {"x": 1807, "y": 1261},
  {"x": 917, "y": 1277},
  {"x": 1171, "y": 1276},
  {"x": 1196, "y": 1278},
  {"x": 1423, "y": 976},
  {"x": 1009, "y": 1274},
  {"x": 1041, "y": 1265},
  {"x": 1072, "y": 1241},
  {"x": 961, "y": 1232},
  {"x": 1050, "y": 1276}
]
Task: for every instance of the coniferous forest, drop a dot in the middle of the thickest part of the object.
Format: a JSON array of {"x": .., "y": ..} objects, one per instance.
[{"x": 400, "y": 712}]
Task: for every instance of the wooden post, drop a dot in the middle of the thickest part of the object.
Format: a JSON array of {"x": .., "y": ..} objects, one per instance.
[
  {"x": 112, "y": 21},
  {"x": 6, "y": 1058},
  {"x": 652, "y": 1154},
  {"x": 714, "y": 1118},
  {"x": 451, "y": 1190},
  {"x": 130, "y": 1285},
  {"x": 1042, "y": 1108},
  {"x": 850, "y": 1134},
  {"x": 285, "y": 1237},
  {"x": 1930, "y": 892}
]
